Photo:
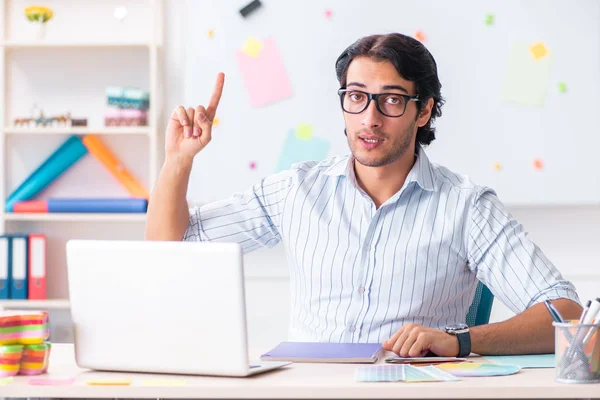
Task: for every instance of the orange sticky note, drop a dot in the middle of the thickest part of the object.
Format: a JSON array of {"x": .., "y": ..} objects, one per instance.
[
  {"x": 420, "y": 36},
  {"x": 538, "y": 50},
  {"x": 538, "y": 164},
  {"x": 109, "y": 382}
]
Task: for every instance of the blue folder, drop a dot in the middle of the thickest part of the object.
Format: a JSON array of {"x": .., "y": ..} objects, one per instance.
[
  {"x": 362, "y": 353},
  {"x": 5, "y": 263},
  {"x": 20, "y": 267}
]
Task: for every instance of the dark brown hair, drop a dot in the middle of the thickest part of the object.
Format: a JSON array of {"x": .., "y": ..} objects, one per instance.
[{"x": 413, "y": 62}]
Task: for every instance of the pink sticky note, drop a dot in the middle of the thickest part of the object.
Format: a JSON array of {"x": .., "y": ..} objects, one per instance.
[
  {"x": 252, "y": 165},
  {"x": 51, "y": 382},
  {"x": 328, "y": 13},
  {"x": 265, "y": 76}
]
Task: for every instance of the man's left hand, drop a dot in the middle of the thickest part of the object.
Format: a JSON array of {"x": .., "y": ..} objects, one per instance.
[{"x": 414, "y": 340}]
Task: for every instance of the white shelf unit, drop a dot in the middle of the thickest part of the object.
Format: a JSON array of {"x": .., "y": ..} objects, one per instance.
[
  {"x": 76, "y": 217},
  {"x": 12, "y": 44},
  {"x": 56, "y": 304},
  {"x": 101, "y": 38},
  {"x": 125, "y": 130}
]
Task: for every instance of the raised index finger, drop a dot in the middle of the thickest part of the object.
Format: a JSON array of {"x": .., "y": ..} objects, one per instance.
[{"x": 211, "y": 110}]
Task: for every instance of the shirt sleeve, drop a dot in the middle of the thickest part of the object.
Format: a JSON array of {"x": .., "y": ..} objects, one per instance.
[
  {"x": 507, "y": 261},
  {"x": 251, "y": 218}
]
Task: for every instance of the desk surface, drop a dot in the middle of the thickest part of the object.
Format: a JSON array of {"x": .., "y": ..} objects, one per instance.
[{"x": 294, "y": 381}]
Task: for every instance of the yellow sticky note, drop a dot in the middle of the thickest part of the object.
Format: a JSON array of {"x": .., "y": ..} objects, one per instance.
[
  {"x": 538, "y": 50},
  {"x": 498, "y": 167},
  {"x": 216, "y": 121},
  {"x": 211, "y": 33},
  {"x": 304, "y": 132},
  {"x": 163, "y": 382},
  {"x": 252, "y": 47},
  {"x": 109, "y": 382}
]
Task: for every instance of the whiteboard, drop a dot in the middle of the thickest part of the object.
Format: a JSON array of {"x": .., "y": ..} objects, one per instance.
[{"x": 485, "y": 131}]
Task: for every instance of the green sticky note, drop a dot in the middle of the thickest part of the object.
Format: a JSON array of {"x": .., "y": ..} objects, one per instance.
[
  {"x": 304, "y": 132},
  {"x": 489, "y": 19},
  {"x": 562, "y": 87}
]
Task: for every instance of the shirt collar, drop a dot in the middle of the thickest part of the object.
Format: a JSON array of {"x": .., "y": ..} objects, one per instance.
[{"x": 421, "y": 172}]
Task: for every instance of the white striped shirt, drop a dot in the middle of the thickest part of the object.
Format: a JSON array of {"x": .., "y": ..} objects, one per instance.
[{"x": 358, "y": 273}]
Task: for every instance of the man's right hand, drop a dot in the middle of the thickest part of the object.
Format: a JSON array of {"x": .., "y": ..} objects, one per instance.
[{"x": 189, "y": 130}]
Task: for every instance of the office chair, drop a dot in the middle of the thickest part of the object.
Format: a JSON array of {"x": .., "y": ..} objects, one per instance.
[{"x": 481, "y": 308}]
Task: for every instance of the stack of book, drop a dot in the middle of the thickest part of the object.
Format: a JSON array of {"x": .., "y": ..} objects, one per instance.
[{"x": 126, "y": 107}]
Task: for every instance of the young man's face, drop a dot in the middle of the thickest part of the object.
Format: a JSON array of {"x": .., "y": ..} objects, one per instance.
[{"x": 376, "y": 139}]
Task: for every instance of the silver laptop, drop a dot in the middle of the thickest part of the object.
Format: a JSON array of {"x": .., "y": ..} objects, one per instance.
[{"x": 161, "y": 307}]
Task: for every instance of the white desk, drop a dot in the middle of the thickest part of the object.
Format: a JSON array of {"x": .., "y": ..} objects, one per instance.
[{"x": 294, "y": 381}]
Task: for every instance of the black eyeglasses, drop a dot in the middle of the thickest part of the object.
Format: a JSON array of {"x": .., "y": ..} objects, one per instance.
[{"x": 389, "y": 104}]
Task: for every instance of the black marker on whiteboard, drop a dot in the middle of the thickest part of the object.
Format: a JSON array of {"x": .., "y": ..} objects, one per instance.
[{"x": 250, "y": 8}]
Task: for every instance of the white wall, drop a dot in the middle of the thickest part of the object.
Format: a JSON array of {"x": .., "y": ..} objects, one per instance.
[{"x": 568, "y": 235}]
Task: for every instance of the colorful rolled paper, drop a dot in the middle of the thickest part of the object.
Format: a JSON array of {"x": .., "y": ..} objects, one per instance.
[
  {"x": 10, "y": 359},
  {"x": 35, "y": 359},
  {"x": 23, "y": 327}
]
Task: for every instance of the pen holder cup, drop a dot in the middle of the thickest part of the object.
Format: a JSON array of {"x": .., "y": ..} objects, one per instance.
[{"x": 577, "y": 348}]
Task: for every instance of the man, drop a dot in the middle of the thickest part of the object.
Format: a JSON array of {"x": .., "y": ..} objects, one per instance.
[{"x": 383, "y": 246}]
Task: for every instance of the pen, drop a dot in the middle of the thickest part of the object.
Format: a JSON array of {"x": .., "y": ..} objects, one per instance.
[
  {"x": 585, "y": 311},
  {"x": 592, "y": 315},
  {"x": 553, "y": 312},
  {"x": 572, "y": 343},
  {"x": 580, "y": 333}
]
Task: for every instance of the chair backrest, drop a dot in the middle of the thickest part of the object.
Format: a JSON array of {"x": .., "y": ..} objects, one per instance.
[{"x": 481, "y": 308}]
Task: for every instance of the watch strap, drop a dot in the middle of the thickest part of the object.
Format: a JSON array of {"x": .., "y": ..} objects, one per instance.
[{"x": 464, "y": 344}]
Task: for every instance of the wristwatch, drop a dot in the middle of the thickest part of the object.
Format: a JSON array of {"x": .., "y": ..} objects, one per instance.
[{"x": 461, "y": 331}]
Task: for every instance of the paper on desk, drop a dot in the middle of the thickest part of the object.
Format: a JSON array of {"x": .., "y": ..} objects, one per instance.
[
  {"x": 527, "y": 77},
  {"x": 526, "y": 361},
  {"x": 401, "y": 373}
]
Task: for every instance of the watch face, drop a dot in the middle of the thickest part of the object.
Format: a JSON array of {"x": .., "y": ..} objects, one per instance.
[{"x": 457, "y": 328}]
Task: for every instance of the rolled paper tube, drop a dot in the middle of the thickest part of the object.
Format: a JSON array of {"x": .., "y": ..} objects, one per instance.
[{"x": 62, "y": 159}]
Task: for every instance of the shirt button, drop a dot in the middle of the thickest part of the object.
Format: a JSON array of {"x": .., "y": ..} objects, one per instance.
[
  {"x": 352, "y": 328},
  {"x": 361, "y": 289}
]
